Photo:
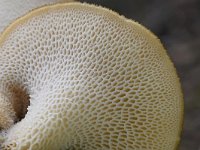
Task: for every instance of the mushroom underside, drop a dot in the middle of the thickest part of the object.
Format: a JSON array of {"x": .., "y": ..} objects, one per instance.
[{"x": 93, "y": 80}]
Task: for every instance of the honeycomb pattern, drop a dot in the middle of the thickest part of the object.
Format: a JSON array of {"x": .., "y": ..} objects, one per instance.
[{"x": 96, "y": 81}]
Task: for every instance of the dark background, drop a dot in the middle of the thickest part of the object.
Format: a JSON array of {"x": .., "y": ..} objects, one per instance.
[{"x": 177, "y": 24}]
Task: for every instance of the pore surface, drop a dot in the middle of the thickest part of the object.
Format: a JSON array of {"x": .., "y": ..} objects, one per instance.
[{"x": 95, "y": 79}]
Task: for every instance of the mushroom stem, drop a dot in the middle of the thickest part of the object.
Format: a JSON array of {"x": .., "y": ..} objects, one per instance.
[
  {"x": 36, "y": 117},
  {"x": 7, "y": 113},
  {"x": 14, "y": 101}
]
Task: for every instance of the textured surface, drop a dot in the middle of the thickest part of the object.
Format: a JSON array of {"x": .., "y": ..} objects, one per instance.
[
  {"x": 13, "y": 9},
  {"x": 177, "y": 24},
  {"x": 96, "y": 81}
]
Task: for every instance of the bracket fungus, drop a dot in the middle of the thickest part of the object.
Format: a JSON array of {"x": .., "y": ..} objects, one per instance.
[{"x": 94, "y": 80}]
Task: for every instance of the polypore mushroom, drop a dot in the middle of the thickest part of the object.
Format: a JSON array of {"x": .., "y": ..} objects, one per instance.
[
  {"x": 95, "y": 80},
  {"x": 13, "y": 9}
]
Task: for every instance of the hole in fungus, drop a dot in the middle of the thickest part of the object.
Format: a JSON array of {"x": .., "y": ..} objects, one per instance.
[{"x": 20, "y": 101}]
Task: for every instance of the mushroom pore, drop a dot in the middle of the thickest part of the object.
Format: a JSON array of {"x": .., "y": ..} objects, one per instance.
[{"x": 94, "y": 80}]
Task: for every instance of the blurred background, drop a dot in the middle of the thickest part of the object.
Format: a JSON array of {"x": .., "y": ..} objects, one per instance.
[{"x": 177, "y": 24}]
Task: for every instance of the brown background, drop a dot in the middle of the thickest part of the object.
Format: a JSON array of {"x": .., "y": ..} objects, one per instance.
[{"x": 177, "y": 24}]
